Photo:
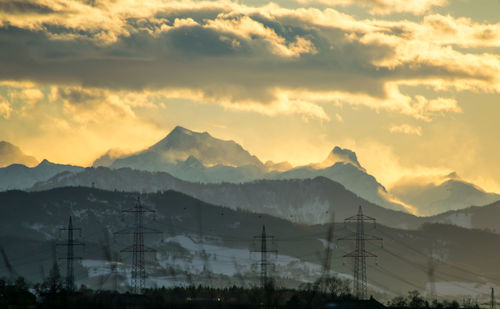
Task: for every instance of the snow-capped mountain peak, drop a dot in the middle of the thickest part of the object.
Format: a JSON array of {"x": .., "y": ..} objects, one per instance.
[{"x": 343, "y": 155}]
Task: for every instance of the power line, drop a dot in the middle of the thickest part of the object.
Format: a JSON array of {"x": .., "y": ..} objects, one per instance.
[
  {"x": 492, "y": 299},
  {"x": 327, "y": 262},
  {"x": 441, "y": 261},
  {"x": 360, "y": 254},
  {"x": 264, "y": 251},
  {"x": 70, "y": 256},
  {"x": 422, "y": 268},
  {"x": 13, "y": 274},
  {"x": 138, "y": 248}
]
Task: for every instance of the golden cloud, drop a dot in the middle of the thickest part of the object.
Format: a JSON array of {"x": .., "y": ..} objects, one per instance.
[
  {"x": 267, "y": 59},
  {"x": 384, "y": 7},
  {"x": 5, "y": 109},
  {"x": 406, "y": 129}
]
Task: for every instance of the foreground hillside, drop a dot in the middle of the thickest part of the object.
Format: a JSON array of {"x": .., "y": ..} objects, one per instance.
[{"x": 208, "y": 244}]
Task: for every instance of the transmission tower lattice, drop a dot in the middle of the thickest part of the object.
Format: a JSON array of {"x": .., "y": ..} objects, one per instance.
[
  {"x": 492, "y": 300},
  {"x": 70, "y": 254},
  {"x": 264, "y": 251},
  {"x": 138, "y": 248},
  {"x": 360, "y": 254},
  {"x": 322, "y": 282},
  {"x": 431, "y": 269},
  {"x": 327, "y": 261},
  {"x": 12, "y": 273}
]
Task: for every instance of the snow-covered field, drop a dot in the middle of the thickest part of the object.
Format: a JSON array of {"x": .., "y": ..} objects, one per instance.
[
  {"x": 459, "y": 219},
  {"x": 231, "y": 261},
  {"x": 453, "y": 288},
  {"x": 200, "y": 259}
]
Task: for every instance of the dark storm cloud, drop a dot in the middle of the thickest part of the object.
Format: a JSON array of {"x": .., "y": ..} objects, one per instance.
[
  {"x": 237, "y": 56},
  {"x": 79, "y": 96},
  {"x": 191, "y": 57}
]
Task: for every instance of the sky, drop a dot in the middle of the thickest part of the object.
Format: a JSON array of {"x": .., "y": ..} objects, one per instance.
[{"x": 412, "y": 86}]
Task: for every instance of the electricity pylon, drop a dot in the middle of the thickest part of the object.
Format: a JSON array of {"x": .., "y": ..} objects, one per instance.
[
  {"x": 12, "y": 273},
  {"x": 264, "y": 255},
  {"x": 113, "y": 261},
  {"x": 70, "y": 254},
  {"x": 492, "y": 300},
  {"x": 431, "y": 269},
  {"x": 327, "y": 261},
  {"x": 138, "y": 248},
  {"x": 360, "y": 254}
]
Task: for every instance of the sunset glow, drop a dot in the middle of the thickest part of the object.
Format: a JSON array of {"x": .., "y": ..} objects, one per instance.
[{"x": 411, "y": 86}]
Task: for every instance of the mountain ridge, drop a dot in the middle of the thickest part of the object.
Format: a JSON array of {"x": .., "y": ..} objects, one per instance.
[
  {"x": 437, "y": 195},
  {"x": 182, "y": 143},
  {"x": 200, "y": 157},
  {"x": 12, "y": 154},
  {"x": 300, "y": 200},
  {"x": 191, "y": 156},
  {"x": 18, "y": 176}
]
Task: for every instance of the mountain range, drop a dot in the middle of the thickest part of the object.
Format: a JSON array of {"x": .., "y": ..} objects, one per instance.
[
  {"x": 445, "y": 193},
  {"x": 212, "y": 197},
  {"x": 200, "y": 157},
  {"x": 181, "y": 143},
  {"x": 305, "y": 201},
  {"x": 18, "y": 176},
  {"x": 351, "y": 175}
]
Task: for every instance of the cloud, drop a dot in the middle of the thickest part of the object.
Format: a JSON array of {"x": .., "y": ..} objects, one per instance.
[
  {"x": 386, "y": 165},
  {"x": 31, "y": 94},
  {"x": 417, "y": 107},
  {"x": 267, "y": 59},
  {"x": 24, "y": 7},
  {"x": 384, "y": 7},
  {"x": 463, "y": 32},
  {"x": 5, "y": 109},
  {"x": 87, "y": 105},
  {"x": 436, "y": 179},
  {"x": 406, "y": 129},
  {"x": 73, "y": 124},
  {"x": 284, "y": 105},
  {"x": 245, "y": 28}
]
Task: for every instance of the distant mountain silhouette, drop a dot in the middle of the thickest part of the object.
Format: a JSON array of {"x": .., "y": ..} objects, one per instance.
[
  {"x": 181, "y": 144},
  {"x": 11, "y": 154},
  {"x": 342, "y": 166},
  {"x": 341, "y": 155},
  {"x": 305, "y": 201},
  {"x": 308, "y": 201},
  {"x": 199, "y": 157},
  {"x": 477, "y": 217},
  {"x": 19, "y": 176},
  {"x": 433, "y": 196}
]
